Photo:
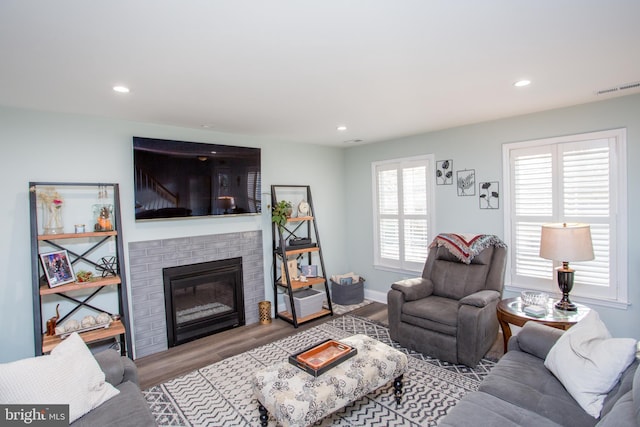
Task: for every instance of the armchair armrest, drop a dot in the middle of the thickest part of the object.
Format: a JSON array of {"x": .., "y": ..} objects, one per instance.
[
  {"x": 535, "y": 338},
  {"x": 414, "y": 289},
  {"x": 481, "y": 298},
  {"x": 130, "y": 371}
]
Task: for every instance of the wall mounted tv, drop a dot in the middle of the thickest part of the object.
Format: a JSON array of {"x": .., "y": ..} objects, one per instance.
[{"x": 178, "y": 179}]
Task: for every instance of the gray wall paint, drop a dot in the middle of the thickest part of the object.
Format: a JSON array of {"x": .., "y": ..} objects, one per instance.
[
  {"x": 39, "y": 146},
  {"x": 479, "y": 147}
]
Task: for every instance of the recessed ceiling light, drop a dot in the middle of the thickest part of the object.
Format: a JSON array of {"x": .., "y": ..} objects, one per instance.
[
  {"x": 342, "y": 128},
  {"x": 121, "y": 89},
  {"x": 522, "y": 83}
]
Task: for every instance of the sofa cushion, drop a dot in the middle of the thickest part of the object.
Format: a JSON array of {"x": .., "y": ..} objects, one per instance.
[
  {"x": 589, "y": 363},
  {"x": 522, "y": 380},
  {"x": 69, "y": 375},
  {"x": 127, "y": 409},
  {"x": 623, "y": 387},
  {"x": 623, "y": 414},
  {"x": 480, "y": 409},
  {"x": 433, "y": 313}
]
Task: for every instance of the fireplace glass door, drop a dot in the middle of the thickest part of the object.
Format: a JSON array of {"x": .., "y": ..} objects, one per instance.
[{"x": 202, "y": 299}]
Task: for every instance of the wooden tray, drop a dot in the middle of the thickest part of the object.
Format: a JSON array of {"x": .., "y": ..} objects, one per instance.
[{"x": 323, "y": 356}]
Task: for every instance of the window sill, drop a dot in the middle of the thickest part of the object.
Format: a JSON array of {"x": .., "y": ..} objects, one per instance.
[{"x": 412, "y": 273}]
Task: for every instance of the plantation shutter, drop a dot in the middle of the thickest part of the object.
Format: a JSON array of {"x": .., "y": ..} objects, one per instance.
[
  {"x": 402, "y": 196},
  {"x": 563, "y": 182}
]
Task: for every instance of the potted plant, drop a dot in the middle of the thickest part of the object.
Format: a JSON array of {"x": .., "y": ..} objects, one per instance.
[{"x": 280, "y": 212}]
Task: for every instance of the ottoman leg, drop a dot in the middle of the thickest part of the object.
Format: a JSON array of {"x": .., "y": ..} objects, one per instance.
[
  {"x": 264, "y": 415},
  {"x": 397, "y": 388}
]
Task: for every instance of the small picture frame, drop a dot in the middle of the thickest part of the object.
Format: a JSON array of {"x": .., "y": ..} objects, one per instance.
[
  {"x": 57, "y": 268},
  {"x": 489, "y": 195},
  {"x": 466, "y": 182},
  {"x": 444, "y": 172},
  {"x": 309, "y": 270}
]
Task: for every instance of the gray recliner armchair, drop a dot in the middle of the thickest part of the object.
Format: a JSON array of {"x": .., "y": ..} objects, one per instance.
[{"x": 450, "y": 312}]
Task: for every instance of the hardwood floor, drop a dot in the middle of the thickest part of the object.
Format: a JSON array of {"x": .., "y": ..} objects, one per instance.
[
  {"x": 176, "y": 361},
  {"x": 163, "y": 366}
]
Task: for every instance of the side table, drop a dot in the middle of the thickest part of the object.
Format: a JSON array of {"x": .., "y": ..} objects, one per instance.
[{"x": 510, "y": 311}]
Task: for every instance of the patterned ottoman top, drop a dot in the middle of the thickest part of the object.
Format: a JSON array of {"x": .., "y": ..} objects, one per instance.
[{"x": 296, "y": 398}]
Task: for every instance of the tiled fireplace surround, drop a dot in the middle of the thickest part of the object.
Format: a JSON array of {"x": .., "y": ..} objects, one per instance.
[{"x": 148, "y": 258}]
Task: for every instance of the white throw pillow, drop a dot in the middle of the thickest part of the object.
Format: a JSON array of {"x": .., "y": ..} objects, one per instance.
[
  {"x": 589, "y": 363},
  {"x": 69, "y": 375}
]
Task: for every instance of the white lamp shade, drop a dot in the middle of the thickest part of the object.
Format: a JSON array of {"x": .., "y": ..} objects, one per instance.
[{"x": 566, "y": 242}]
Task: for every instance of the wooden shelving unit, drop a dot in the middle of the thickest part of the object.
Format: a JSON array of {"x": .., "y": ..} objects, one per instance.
[
  {"x": 79, "y": 295},
  {"x": 302, "y": 226}
]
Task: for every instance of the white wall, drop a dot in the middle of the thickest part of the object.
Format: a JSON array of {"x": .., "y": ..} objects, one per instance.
[
  {"x": 38, "y": 146},
  {"x": 479, "y": 147}
]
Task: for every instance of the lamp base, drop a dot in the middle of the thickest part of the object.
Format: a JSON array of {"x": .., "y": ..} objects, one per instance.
[
  {"x": 565, "y": 283},
  {"x": 566, "y": 305}
]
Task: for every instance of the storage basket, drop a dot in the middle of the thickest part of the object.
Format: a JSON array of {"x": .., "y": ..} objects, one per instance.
[
  {"x": 306, "y": 302},
  {"x": 347, "y": 294}
]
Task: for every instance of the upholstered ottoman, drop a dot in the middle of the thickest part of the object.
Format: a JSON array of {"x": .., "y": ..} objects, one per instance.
[{"x": 296, "y": 398}]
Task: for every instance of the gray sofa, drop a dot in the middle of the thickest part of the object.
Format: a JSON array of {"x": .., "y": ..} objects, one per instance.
[
  {"x": 128, "y": 408},
  {"x": 520, "y": 391}
]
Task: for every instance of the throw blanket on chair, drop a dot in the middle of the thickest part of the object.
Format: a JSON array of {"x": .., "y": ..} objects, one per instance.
[{"x": 466, "y": 246}]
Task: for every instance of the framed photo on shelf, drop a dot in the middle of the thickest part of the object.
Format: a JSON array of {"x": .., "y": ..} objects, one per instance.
[
  {"x": 57, "y": 268},
  {"x": 309, "y": 270},
  {"x": 292, "y": 267}
]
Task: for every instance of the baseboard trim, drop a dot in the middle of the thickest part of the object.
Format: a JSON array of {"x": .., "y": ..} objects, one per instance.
[{"x": 376, "y": 296}]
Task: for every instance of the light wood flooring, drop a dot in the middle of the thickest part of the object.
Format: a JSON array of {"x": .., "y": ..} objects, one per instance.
[{"x": 176, "y": 361}]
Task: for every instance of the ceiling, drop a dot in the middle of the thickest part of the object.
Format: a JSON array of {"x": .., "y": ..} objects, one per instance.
[{"x": 294, "y": 70}]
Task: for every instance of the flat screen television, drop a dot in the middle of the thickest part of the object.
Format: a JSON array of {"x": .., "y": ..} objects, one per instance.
[{"x": 179, "y": 179}]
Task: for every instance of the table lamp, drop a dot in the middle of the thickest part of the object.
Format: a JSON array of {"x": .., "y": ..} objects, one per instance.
[{"x": 566, "y": 242}]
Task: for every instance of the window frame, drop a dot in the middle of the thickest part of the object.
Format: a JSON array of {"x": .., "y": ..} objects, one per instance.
[
  {"x": 618, "y": 290},
  {"x": 401, "y": 266}
]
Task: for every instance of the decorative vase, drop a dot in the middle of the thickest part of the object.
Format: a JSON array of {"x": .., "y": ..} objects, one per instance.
[
  {"x": 51, "y": 202},
  {"x": 103, "y": 217},
  {"x": 53, "y": 218}
]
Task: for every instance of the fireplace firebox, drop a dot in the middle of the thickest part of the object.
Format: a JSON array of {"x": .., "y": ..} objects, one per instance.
[{"x": 202, "y": 299}]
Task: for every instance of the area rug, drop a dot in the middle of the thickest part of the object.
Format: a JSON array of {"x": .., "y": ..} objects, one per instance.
[
  {"x": 339, "y": 309},
  {"x": 220, "y": 394}
]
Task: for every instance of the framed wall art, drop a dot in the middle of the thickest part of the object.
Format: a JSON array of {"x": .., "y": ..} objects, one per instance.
[
  {"x": 466, "y": 182},
  {"x": 489, "y": 195},
  {"x": 444, "y": 172},
  {"x": 57, "y": 268}
]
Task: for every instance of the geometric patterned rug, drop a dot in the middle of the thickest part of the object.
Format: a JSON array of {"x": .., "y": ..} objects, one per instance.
[{"x": 220, "y": 394}]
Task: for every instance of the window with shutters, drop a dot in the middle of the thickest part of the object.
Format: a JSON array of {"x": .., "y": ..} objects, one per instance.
[
  {"x": 577, "y": 178},
  {"x": 403, "y": 206}
]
